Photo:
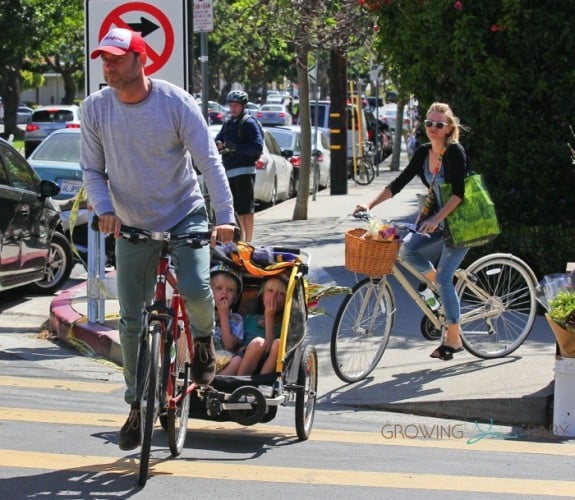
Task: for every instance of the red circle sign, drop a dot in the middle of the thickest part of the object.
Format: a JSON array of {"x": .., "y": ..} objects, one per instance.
[{"x": 155, "y": 60}]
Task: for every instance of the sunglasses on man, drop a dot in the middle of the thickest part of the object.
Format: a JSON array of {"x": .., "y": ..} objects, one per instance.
[{"x": 437, "y": 125}]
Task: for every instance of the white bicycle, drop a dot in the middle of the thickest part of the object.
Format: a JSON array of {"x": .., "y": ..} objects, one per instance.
[{"x": 498, "y": 309}]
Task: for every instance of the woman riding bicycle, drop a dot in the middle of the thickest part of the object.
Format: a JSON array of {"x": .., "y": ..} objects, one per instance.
[{"x": 442, "y": 160}]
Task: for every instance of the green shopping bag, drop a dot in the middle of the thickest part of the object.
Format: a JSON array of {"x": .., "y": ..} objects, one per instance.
[{"x": 474, "y": 222}]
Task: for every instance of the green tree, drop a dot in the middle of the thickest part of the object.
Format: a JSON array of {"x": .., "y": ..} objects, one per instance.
[
  {"x": 62, "y": 49},
  {"x": 19, "y": 38},
  {"x": 506, "y": 68}
]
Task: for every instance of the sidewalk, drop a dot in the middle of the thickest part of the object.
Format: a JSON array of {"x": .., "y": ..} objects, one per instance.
[{"x": 516, "y": 390}]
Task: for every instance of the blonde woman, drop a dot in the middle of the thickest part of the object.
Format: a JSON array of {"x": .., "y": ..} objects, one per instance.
[{"x": 441, "y": 160}]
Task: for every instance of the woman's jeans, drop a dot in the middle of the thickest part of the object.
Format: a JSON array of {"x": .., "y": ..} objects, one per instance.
[
  {"x": 413, "y": 251},
  {"x": 136, "y": 274}
]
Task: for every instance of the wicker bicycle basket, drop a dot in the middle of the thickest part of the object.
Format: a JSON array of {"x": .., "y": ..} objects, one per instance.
[{"x": 369, "y": 257}]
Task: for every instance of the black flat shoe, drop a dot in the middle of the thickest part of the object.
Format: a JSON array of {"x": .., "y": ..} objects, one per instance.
[{"x": 445, "y": 352}]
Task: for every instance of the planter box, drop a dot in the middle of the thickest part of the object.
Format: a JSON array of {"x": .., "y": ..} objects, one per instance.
[{"x": 564, "y": 399}]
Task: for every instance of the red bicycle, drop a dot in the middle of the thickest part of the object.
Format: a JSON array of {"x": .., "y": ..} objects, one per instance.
[{"x": 166, "y": 351}]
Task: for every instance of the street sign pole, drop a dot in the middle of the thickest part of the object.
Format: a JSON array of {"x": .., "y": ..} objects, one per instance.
[
  {"x": 205, "y": 77},
  {"x": 203, "y": 24}
]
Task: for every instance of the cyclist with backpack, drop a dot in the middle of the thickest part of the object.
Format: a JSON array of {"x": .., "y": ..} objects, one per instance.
[{"x": 241, "y": 142}]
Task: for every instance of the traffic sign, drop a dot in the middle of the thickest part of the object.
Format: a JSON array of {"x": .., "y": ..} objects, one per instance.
[
  {"x": 203, "y": 16},
  {"x": 163, "y": 26}
]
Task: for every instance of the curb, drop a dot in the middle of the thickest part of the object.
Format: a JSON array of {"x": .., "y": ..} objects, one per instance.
[{"x": 72, "y": 327}]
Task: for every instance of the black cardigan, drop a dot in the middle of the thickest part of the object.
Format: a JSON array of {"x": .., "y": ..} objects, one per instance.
[{"x": 455, "y": 163}]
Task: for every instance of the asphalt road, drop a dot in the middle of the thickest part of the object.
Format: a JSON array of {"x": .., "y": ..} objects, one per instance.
[{"x": 60, "y": 412}]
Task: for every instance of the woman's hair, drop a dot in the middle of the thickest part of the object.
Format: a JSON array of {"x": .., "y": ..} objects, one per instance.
[{"x": 441, "y": 107}]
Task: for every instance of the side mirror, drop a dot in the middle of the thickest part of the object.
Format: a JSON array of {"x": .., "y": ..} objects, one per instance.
[
  {"x": 48, "y": 188},
  {"x": 316, "y": 153},
  {"x": 287, "y": 153}
]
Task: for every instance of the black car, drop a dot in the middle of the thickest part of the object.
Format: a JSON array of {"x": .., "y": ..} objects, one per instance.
[{"x": 33, "y": 250}]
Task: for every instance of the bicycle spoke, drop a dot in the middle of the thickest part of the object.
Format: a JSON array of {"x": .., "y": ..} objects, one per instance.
[
  {"x": 361, "y": 330},
  {"x": 497, "y": 305}
]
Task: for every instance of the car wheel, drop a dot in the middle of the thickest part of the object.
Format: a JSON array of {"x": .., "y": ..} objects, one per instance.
[
  {"x": 58, "y": 267},
  {"x": 292, "y": 188},
  {"x": 274, "y": 195}
]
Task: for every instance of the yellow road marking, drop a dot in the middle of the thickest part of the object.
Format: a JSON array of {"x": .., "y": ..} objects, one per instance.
[
  {"x": 60, "y": 384},
  {"x": 295, "y": 475},
  {"x": 282, "y": 432}
]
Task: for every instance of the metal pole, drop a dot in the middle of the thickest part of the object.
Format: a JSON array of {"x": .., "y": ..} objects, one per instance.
[
  {"x": 376, "y": 124},
  {"x": 205, "y": 76}
]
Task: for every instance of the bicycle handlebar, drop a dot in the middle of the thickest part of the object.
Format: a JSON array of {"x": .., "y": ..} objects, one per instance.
[
  {"x": 406, "y": 226},
  {"x": 134, "y": 234}
]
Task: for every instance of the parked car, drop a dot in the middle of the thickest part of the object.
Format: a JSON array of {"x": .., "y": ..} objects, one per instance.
[
  {"x": 57, "y": 159},
  {"x": 323, "y": 113},
  {"x": 274, "y": 114},
  {"x": 216, "y": 112},
  {"x": 390, "y": 117},
  {"x": 252, "y": 108},
  {"x": 384, "y": 140},
  {"x": 47, "y": 119},
  {"x": 24, "y": 114},
  {"x": 289, "y": 138},
  {"x": 33, "y": 249},
  {"x": 275, "y": 179},
  {"x": 274, "y": 97}
]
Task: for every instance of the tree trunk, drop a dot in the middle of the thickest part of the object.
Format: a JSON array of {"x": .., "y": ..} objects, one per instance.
[
  {"x": 11, "y": 99},
  {"x": 69, "y": 88},
  {"x": 300, "y": 209},
  {"x": 397, "y": 136}
]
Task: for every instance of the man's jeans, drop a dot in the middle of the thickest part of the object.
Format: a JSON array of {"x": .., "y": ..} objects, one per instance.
[{"x": 136, "y": 274}]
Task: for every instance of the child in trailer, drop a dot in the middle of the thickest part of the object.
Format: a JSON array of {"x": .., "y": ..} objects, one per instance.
[
  {"x": 262, "y": 331},
  {"x": 229, "y": 332}
]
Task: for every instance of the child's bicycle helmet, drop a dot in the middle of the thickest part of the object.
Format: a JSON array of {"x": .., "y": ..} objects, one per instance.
[{"x": 222, "y": 268}]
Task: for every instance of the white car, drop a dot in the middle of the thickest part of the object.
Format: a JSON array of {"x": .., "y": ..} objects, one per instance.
[
  {"x": 274, "y": 173},
  {"x": 289, "y": 138}
]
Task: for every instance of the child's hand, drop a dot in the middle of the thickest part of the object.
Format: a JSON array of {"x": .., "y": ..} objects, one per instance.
[
  {"x": 270, "y": 305},
  {"x": 223, "y": 305}
]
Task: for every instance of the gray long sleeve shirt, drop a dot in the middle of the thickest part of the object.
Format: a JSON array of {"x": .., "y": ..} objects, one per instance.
[{"x": 137, "y": 158}]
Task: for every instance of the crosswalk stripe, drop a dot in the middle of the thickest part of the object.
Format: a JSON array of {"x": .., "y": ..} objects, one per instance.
[
  {"x": 294, "y": 475},
  {"x": 321, "y": 435},
  {"x": 59, "y": 384}
]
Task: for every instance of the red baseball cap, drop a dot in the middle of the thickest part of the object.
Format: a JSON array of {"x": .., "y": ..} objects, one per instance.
[{"x": 120, "y": 41}]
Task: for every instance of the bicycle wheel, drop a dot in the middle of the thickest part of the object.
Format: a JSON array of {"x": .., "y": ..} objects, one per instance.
[
  {"x": 498, "y": 305},
  {"x": 150, "y": 399},
  {"x": 178, "y": 416},
  {"x": 365, "y": 172},
  {"x": 361, "y": 329},
  {"x": 305, "y": 398}
]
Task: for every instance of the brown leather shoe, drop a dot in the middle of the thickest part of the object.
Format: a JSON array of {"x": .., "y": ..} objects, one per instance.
[
  {"x": 204, "y": 364},
  {"x": 130, "y": 431}
]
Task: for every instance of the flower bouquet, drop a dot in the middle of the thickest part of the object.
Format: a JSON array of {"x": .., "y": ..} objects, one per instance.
[
  {"x": 556, "y": 293},
  {"x": 322, "y": 286}
]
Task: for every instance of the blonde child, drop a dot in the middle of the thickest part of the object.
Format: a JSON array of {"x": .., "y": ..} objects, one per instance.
[
  {"x": 229, "y": 332},
  {"x": 262, "y": 331}
]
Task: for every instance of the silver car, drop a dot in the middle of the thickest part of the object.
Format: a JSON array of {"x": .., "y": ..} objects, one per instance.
[
  {"x": 271, "y": 115},
  {"x": 47, "y": 119}
]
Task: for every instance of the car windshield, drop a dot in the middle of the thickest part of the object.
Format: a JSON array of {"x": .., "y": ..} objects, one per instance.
[
  {"x": 285, "y": 139},
  {"x": 272, "y": 107},
  {"x": 59, "y": 147},
  {"x": 53, "y": 115}
]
